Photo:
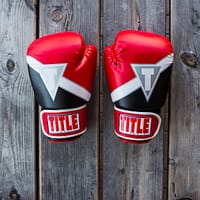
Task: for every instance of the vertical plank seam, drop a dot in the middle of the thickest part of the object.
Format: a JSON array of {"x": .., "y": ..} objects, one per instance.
[
  {"x": 169, "y": 106},
  {"x": 37, "y": 129},
  {"x": 100, "y": 132}
]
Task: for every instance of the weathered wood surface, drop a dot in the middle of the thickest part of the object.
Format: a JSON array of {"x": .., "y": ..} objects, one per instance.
[
  {"x": 97, "y": 165},
  {"x": 184, "y": 143},
  {"x": 131, "y": 171},
  {"x": 17, "y": 157},
  {"x": 69, "y": 170}
]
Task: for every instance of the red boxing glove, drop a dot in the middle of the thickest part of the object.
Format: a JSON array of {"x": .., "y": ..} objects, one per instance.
[
  {"x": 62, "y": 71},
  {"x": 138, "y": 67}
]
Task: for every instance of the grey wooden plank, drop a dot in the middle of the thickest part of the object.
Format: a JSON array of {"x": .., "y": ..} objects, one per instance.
[
  {"x": 17, "y": 157},
  {"x": 69, "y": 170},
  {"x": 184, "y": 148},
  {"x": 131, "y": 171}
]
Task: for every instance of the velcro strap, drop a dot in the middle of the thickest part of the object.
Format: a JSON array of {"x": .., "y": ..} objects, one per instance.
[
  {"x": 61, "y": 124},
  {"x": 136, "y": 126}
]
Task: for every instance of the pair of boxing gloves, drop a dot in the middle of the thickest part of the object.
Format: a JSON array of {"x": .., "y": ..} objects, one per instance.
[{"x": 137, "y": 68}]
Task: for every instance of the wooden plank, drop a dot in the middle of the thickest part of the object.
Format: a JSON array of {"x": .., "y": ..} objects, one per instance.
[
  {"x": 17, "y": 157},
  {"x": 68, "y": 170},
  {"x": 131, "y": 171},
  {"x": 184, "y": 147}
]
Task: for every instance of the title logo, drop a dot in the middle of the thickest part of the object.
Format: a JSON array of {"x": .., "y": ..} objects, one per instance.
[
  {"x": 63, "y": 123},
  {"x": 148, "y": 75},
  {"x": 135, "y": 125},
  {"x": 53, "y": 77}
]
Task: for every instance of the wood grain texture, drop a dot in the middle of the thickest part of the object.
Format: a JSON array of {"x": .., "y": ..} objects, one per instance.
[
  {"x": 87, "y": 169},
  {"x": 17, "y": 158},
  {"x": 184, "y": 148},
  {"x": 69, "y": 170},
  {"x": 131, "y": 171}
]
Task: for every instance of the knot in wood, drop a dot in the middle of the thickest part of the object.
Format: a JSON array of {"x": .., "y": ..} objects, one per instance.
[
  {"x": 189, "y": 59},
  {"x": 122, "y": 171},
  {"x": 57, "y": 15},
  {"x": 14, "y": 194},
  {"x": 10, "y": 65}
]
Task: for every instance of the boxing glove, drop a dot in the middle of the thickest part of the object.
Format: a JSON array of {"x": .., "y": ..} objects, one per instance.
[
  {"x": 62, "y": 71},
  {"x": 137, "y": 68}
]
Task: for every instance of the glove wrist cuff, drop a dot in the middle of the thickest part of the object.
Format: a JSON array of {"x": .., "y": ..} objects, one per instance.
[
  {"x": 63, "y": 123},
  {"x": 136, "y": 126}
]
